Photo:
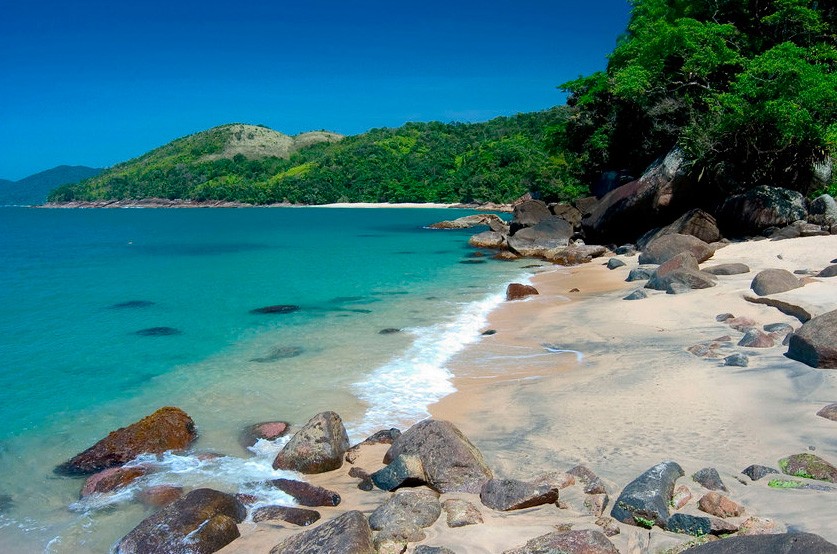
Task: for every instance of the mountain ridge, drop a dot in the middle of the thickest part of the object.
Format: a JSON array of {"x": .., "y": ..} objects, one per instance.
[{"x": 34, "y": 189}]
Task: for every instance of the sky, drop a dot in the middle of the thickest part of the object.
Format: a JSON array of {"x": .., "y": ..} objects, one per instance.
[{"x": 97, "y": 82}]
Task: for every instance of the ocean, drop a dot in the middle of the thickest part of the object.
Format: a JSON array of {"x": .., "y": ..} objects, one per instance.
[{"x": 107, "y": 315}]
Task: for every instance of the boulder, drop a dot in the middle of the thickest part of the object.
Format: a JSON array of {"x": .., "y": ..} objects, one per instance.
[
  {"x": 346, "y": 534},
  {"x": 773, "y": 281},
  {"x": 830, "y": 271},
  {"x": 695, "y": 222},
  {"x": 737, "y": 360},
  {"x": 666, "y": 247},
  {"x": 727, "y": 269},
  {"x": 786, "y": 543},
  {"x": 681, "y": 280},
  {"x": 638, "y": 294},
  {"x": 571, "y": 542},
  {"x": 681, "y": 496},
  {"x": 645, "y": 500},
  {"x": 595, "y": 504},
  {"x": 266, "y": 430},
  {"x": 316, "y": 448},
  {"x": 689, "y": 525},
  {"x": 166, "y": 429},
  {"x": 424, "y": 549},
  {"x": 491, "y": 220},
  {"x": 809, "y": 466},
  {"x": 640, "y": 273},
  {"x": 203, "y": 521},
  {"x": 450, "y": 462},
  {"x": 756, "y": 472},
  {"x": 516, "y": 291},
  {"x": 111, "y": 479},
  {"x": 159, "y": 495},
  {"x": 552, "y": 232},
  {"x": 815, "y": 343},
  {"x": 461, "y": 513},
  {"x": 575, "y": 254},
  {"x": 609, "y": 527},
  {"x": 796, "y": 230},
  {"x": 488, "y": 239},
  {"x": 613, "y": 263},
  {"x": 528, "y": 214},
  {"x": 413, "y": 507},
  {"x": 306, "y": 494},
  {"x": 404, "y": 469},
  {"x": 793, "y": 309},
  {"x": 829, "y": 412},
  {"x": 708, "y": 478},
  {"x": 297, "y": 516},
  {"x": 752, "y": 212},
  {"x": 755, "y": 338},
  {"x": 823, "y": 210},
  {"x": 718, "y": 505},
  {"x": 511, "y": 494},
  {"x": 570, "y": 214}
]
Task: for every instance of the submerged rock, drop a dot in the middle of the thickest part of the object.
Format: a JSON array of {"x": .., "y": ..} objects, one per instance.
[
  {"x": 130, "y": 304},
  {"x": 158, "y": 332},
  {"x": 111, "y": 479},
  {"x": 276, "y": 309},
  {"x": 345, "y": 534},
  {"x": 316, "y": 448},
  {"x": 645, "y": 500},
  {"x": 280, "y": 353},
  {"x": 266, "y": 430}
]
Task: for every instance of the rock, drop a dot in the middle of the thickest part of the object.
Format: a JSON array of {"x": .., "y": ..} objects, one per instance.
[
  {"x": 450, "y": 462},
  {"x": 752, "y": 212},
  {"x": 570, "y": 542},
  {"x": 461, "y": 513},
  {"x": 737, "y": 360},
  {"x": 791, "y": 309},
  {"x": 772, "y": 281},
  {"x": 681, "y": 496},
  {"x": 681, "y": 280},
  {"x": 505, "y": 256},
  {"x": 830, "y": 271},
  {"x": 640, "y": 274},
  {"x": 689, "y": 525},
  {"x": 613, "y": 263},
  {"x": 203, "y": 521},
  {"x": 720, "y": 318},
  {"x": 491, "y": 220},
  {"x": 552, "y": 232},
  {"x": 666, "y": 247},
  {"x": 727, "y": 269},
  {"x": 638, "y": 294},
  {"x": 756, "y": 472},
  {"x": 517, "y": 291},
  {"x": 645, "y": 500},
  {"x": 595, "y": 504},
  {"x": 424, "y": 549},
  {"x": 718, "y": 505},
  {"x": 720, "y": 526},
  {"x": 266, "y": 430},
  {"x": 111, "y": 479},
  {"x": 708, "y": 478},
  {"x": 404, "y": 469},
  {"x": 160, "y": 495},
  {"x": 809, "y": 466},
  {"x": 306, "y": 494},
  {"x": 555, "y": 479},
  {"x": 815, "y": 343},
  {"x": 389, "y": 331},
  {"x": 131, "y": 304},
  {"x": 823, "y": 210},
  {"x": 345, "y": 534},
  {"x": 753, "y": 338},
  {"x": 166, "y": 429},
  {"x": 829, "y": 412},
  {"x": 296, "y": 516},
  {"x": 488, "y": 239},
  {"x": 414, "y": 507},
  {"x": 276, "y": 309},
  {"x": 695, "y": 222},
  {"x": 510, "y": 494},
  {"x": 795, "y": 230},
  {"x": 786, "y": 543},
  {"x": 158, "y": 332},
  {"x": 571, "y": 214},
  {"x": 279, "y": 353},
  {"x": 741, "y": 323},
  {"x": 574, "y": 254},
  {"x": 529, "y": 213},
  {"x": 366, "y": 483},
  {"x": 757, "y": 526},
  {"x": 778, "y": 329},
  {"x": 316, "y": 448}
]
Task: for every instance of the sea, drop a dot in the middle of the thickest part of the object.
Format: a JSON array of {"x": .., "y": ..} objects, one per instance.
[{"x": 109, "y": 314}]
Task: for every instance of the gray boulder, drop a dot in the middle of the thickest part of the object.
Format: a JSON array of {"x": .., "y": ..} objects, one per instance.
[
  {"x": 297, "y": 516},
  {"x": 529, "y": 213},
  {"x": 407, "y": 508},
  {"x": 640, "y": 273},
  {"x": 695, "y": 222},
  {"x": 708, "y": 478},
  {"x": 680, "y": 273},
  {"x": 571, "y": 542},
  {"x": 461, "y": 513},
  {"x": 785, "y": 543},
  {"x": 316, "y": 448},
  {"x": 345, "y": 534},
  {"x": 574, "y": 254},
  {"x": 823, "y": 210},
  {"x": 815, "y": 343},
  {"x": 551, "y": 232},
  {"x": 645, "y": 500},
  {"x": 829, "y": 412},
  {"x": 727, "y": 269},
  {"x": 488, "y": 239},
  {"x": 752, "y": 212},
  {"x": 756, "y": 472},
  {"x": 638, "y": 294},
  {"x": 666, "y": 247},
  {"x": 689, "y": 525},
  {"x": 830, "y": 271},
  {"x": 510, "y": 494},
  {"x": 773, "y": 281},
  {"x": 613, "y": 263}
]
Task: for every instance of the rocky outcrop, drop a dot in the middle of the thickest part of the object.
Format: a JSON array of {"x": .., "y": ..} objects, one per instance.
[
  {"x": 203, "y": 521},
  {"x": 346, "y": 534},
  {"x": 316, "y": 448},
  {"x": 750, "y": 213},
  {"x": 666, "y": 247},
  {"x": 645, "y": 500},
  {"x": 815, "y": 343},
  {"x": 549, "y": 233},
  {"x": 774, "y": 281},
  {"x": 166, "y": 429},
  {"x": 511, "y": 494},
  {"x": 786, "y": 543},
  {"x": 517, "y": 291},
  {"x": 306, "y": 494},
  {"x": 529, "y": 213},
  {"x": 695, "y": 222},
  {"x": 571, "y": 542},
  {"x": 492, "y": 221},
  {"x": 111, "y": 479},
  {"x": 488, "y": 239},
  {"x": 809, "y": 466}
]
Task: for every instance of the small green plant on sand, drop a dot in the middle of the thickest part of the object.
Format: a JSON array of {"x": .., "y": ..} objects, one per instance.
[
  {"x": 784, "y": 484},
  {"x": 644, "y": 522}
]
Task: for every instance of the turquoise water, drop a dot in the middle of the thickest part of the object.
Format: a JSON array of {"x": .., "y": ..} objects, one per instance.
[{"x": 106, "y": 315}]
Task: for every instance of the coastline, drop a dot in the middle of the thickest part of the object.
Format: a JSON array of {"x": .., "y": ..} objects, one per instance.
[{"x": 196, "y": 204}]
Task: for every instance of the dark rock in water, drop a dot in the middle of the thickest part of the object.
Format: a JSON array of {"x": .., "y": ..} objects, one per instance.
[
  {"x": 461, "y": 513},
  {"x": 316, "y": 448},
  {"x": 110, "y": 479},
  {"x": 708, "y": 477},
  {"x": 645, "y": 500},
  {"x": 516, "y": 291},
  {"x": 489, "y": 332},
  {"x": 160, "y": 495},
  {"x": 638, "y": 294},
  {"x": 389, "y": 331},
  {"x": 277, "y": 309},
  {"x": 752, "y": 212},
  {"x": 158, "y": 332},
  {"x": 6, "y": 503},
  {"x": 576, "y": 542},
  {"x": 640, "y": 274},
  {"x": 809, "y": 466},
  {"x": 689, "y": 525},
  {"x": 785, "y": 543},
  {"x": 415, "y": 507},
  {"x": 737, "y": 360},
  {"x": 203, "y": 521},
  {"x": 471, "y": 262},
  {"x": 829, "y": 412},
  {"x": 815, "y": 343},
  {"x": 830, "y": 271},
  {"x": 717, "y": 504},
  {"x": 666, "y": 247},
  {"x": 166, "y": 429},
  {"x": 778, "y": 329},
  {"x": 266, "y": 430},
  {"x": 306, "y": 494},
  {"x": 754, "y": 338},
  {"x": 511, "y": 494},
  {"x": 756, "y": 472},
  {"x": 345, "y": 534},
  {"x": 280, "y": 353},
  {"x": 613, "y": 263},
  {"x": 296, "y": 516},
  {"x": 132, "y": 304},
  {"x": 727, "y": 269},
  {"x": 773, "y": 281}
]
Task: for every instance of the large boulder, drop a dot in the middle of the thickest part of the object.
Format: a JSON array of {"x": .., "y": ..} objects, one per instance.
[
  {"x": 695, "y": 222},
  {"x": 786, "y": 543},
  {"x": 680, "y": 273},
  {"x": 809, "y": 466},
  {"x": 570, "y": 542},
  {"x": 406, "y": 513},
  {"x": 518, "y": 291},
  {"x": 574, "y": 254},
  {"x": 728, "y": 269},
  {"x": 201, "y": 522},
  {"x": 112, "y": 479},
  {"x": 488, "y": 239},
  {"x": 450, "y": 462},
  {"x": 529, "y": 213},
  {"x": 666, "y": 247},
  {"x": 551, "y": 232},
  {"x": 752, "y": 212},
  {"x": 645, "y": 500},
  {"x": 166, "y": 429},
  {"x": 823, "y": 210},
  {"x": 774, "y": 281},
  {"x": 492, "y": 221},
  {"x": 316, "y": 448},
  {"x": 815, "y": 343},
  {"x": 346, "y": 534},
  {"x": 510, "y": 494}
]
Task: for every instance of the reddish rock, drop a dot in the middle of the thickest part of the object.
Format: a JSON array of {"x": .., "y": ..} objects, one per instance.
[
  {"x": 718, "y": 505},
  {"x": 757, "y": 526},
  {"x": 307, "y": 494},
  {"x": 516, "y": 291},
  {"x": 754, "y": 338},
  {"x": 266, "y": 430},
  {"x": 461, "y": 513},
  {"x": 345, "y": 534},
  {"x": 296, "y": 516},
  {"x": 681, "y": 496},
  {"x": 166, "y": 429},
  {"x": 595, "y": 504},
  {"x": 111, "y": 479},
  {"x": 160, "y": 495},
  {"x": 742, "y": 324},
  {"x": 511, "y": 494},
  {"x": 576, "y": 542},
  {"x": 829, "y": 412},
  {"x": 609, "y": 526},
  {"x": 316, "y": 448}
]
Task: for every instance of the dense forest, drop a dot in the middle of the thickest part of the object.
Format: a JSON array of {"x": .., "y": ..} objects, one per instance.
[{"x": 746, "y": 88}]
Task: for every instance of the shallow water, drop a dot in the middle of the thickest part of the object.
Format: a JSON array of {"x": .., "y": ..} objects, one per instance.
[{"x": 107, "y": 315}]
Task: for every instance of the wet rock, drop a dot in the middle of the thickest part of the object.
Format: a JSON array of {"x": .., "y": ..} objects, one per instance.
[
  {"x": 718, "y": 505},
  {"x": 638, "y": 294},
  {"x": 666, "y": 247},
  {"x": 266, "y": 430},
  {"x": 613, "y": 263},
  {"x": 346, "y": 534},
  {"x": 809, "y": 466},
  {"x": 111, "y": 479},
  {"x": 160, "y": 495},
  {"x": 754, "y": 338},
  {"x": 488, "y": 239},
  {"x": 389, "y": 331},
  {"x": 645, "y": 500},
  {"x": 461, "y": 513},
  {"x": 640, "y": 273},
  {"x": 681, "y": 496},
  {"x": 786, "y": 543},
  {"x": 756, "y": 472},
  {"x": 405, "y": 469},
  {"x": 727, "y": 269},
  {"x": 689, "y": 525},
  {"x": 778, "y": 329},
  {"x": 829, "y": 412},
  {"x": 280, "y": 353},
  {"x": 450, "y": 462},
  {"x": 516, "y": 291},
  {"x": 132, "y": 304},
  {"x": 306, "y": 494},
  {"x": 830, "y": 271},
  {"x": 276, "y": 309},
  {"x": 316, "y": 448},
  {"x": 296, "y": 516},
  {"x": 203, "y": 521},
  {"x": 511, "y": 494},
  {"x": 158, "y": 332},
  {"x": 708, "y": 478},
  {"x": 166, "y": 429},
  {"x": 758, "y": 209},
  {"x": 815, "y": 343},
  {"x": 737, "y": 360},
  {"x": 773, "y": 281},
  {"x": 406, "y": 509},
  {"x": 571, "y": 542}
]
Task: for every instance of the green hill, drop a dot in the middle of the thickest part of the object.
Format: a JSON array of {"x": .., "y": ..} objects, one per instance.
[{"x": 35, "y": 188}]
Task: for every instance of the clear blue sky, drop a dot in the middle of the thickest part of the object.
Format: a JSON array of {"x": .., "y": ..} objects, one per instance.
[{"x": 96, "y": 82}]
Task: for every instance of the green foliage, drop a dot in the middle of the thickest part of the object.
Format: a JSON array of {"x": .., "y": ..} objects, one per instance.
[{"x": 784, "y": 484}]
